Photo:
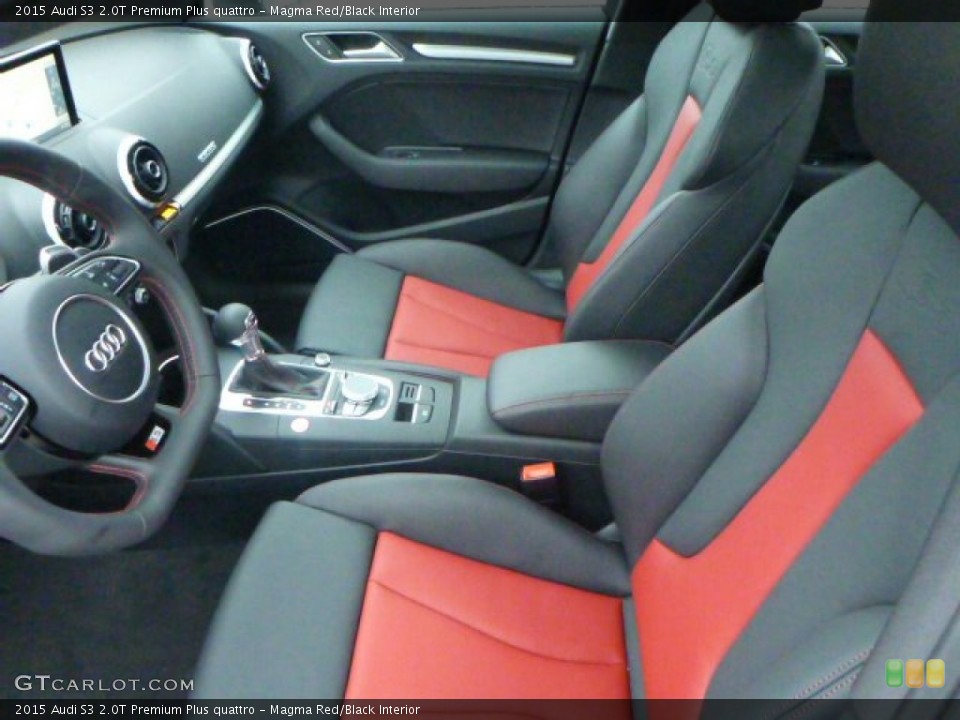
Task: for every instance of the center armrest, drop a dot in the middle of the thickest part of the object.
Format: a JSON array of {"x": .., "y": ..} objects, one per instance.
[{"x": 571, "y": 390}]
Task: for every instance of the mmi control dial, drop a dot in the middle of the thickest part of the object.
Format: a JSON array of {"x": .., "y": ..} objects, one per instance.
[
  {"x": 358, "y": 393},
  {"x": 359, "y": 389}
]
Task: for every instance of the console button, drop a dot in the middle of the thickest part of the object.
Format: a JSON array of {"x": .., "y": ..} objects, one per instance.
[
  {"x": 427, "y": 394},
  {"x": 409, "y": 392},
  {"x": 300, "y": 425},
  {"x": 352, "y": 409},
  {"x": 422, "y": 413},
  {"x": 404, "y": 413}
]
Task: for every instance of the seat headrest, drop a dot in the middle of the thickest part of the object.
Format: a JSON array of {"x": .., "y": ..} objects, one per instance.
[
  {"x": 750, "y": 11},
  {"x": 907, "y": 104}
]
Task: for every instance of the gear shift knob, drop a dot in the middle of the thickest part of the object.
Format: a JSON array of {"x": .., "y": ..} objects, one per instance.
[{"x": 236, "y": 324}]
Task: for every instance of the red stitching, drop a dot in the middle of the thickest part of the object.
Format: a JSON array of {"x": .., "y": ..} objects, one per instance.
[
  {"x": 140, "y": 480},
  {"x": 183, "y": 339},
  {"x": 47, "y": 181}
]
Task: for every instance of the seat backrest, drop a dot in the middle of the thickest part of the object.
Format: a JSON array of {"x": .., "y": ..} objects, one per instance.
[
  {"x": 662, "y": 209},
  {"x": 776, "y": 479}
]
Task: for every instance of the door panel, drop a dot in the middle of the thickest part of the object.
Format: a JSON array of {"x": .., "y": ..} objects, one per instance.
[
  {"x": 445, "y": 129},
  {"x": 438, "y": 136}
]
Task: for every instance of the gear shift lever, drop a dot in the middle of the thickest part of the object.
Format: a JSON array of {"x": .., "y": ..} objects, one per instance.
[{"x": 237, "y": 325}]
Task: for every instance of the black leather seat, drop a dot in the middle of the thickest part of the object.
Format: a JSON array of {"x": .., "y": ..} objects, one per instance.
[
  {"x": 651, "y": 223},
  {"x": 786, "y": 486}
]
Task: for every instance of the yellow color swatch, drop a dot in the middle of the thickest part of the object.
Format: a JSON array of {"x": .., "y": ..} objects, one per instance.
[{"x": 936, "y": 673}]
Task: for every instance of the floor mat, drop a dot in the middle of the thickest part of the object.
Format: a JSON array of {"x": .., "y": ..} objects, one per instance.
[{"x": 137, "y": 615}]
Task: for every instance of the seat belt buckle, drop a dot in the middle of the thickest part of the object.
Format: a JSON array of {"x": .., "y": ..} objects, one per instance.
[{"x": 539, "y": 482}]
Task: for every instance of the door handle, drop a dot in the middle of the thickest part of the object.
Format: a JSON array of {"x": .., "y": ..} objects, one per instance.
[
  {"x": 379, "y": 51},
  {"x": 832, "y": 55},
  {"x": 352, "y": 46}
]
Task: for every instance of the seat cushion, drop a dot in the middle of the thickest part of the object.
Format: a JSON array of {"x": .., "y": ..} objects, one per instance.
[
  {"x": 430, "y": 302},
  {"x": 389, "y": 586},
  {"x": 286, "y": 625},
  {"x": 436, "y": 624},
  {"x": 437, "y": 325}
]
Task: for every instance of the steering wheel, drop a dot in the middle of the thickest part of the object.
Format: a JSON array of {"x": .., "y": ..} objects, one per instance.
[{"x": 84, "y": 370}]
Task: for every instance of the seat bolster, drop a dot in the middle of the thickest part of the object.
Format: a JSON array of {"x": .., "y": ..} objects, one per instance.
[
  {"x": 481, "y": 521},
  {"x": 296, "y": 594},
  {"x": 471, "y": 269},
  {"x": 351, "y": 309}
]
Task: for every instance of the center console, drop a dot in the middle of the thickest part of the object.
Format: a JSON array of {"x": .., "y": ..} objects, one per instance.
[
  {"x": 341, "y": 403},
  {"x": 305, "y": 419},
  {"x": 339, "y": 394},
  {"x": 355, "y": 419},
  {"x": 293, "y": 412}
]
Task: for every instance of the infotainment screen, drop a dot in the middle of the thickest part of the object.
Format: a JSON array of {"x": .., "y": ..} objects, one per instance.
[{"x": 35, "y": 99}]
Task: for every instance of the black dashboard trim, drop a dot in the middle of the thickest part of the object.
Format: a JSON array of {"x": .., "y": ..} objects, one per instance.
[{"x": 239, "y": 137}]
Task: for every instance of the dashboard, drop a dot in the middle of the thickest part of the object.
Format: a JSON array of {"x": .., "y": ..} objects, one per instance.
[{"x": 161, "y": 113}]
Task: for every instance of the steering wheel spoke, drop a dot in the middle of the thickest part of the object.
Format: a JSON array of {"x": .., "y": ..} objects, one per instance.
[
  {"x": 15, "y": 408},
  {"x": 110, "y": 271},
  {"x": 139, "y": 471},
  {"x": 142, "y": 469}
]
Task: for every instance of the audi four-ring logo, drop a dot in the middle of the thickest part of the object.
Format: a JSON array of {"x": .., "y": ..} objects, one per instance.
[{"x": 106, "y": 349}]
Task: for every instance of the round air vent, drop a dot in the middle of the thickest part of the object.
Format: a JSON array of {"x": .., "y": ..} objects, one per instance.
[
  {"x": 78, "y": 229},
  {"x": 146, "y": 173},
  {"x": 71, "y": 227},
  {"x": 257, "y": 67}
]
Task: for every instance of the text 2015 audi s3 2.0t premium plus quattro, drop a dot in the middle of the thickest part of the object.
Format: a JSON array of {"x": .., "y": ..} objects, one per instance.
[{"x": 611, "y": 355}]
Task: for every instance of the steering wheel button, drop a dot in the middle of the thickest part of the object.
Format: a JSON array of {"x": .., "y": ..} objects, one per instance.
[
  {"x": 112, "y": 273},
  {"x": 13, "y": 408}
]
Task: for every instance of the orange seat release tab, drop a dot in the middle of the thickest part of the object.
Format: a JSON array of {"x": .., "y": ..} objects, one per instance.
[{"x": 539, "y": 482}]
